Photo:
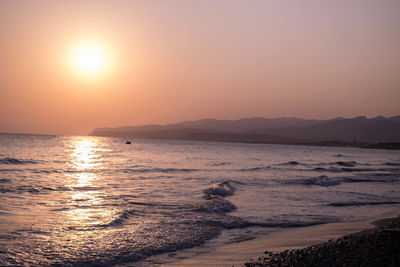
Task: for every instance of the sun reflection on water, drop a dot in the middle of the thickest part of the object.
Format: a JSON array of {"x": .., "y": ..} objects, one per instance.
[
  {"x": 85, "y": 181},
  {"x": 83, "y": 155}
]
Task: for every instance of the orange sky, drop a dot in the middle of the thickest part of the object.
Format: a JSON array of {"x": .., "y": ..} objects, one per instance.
[{"x": 188, "y": 60}]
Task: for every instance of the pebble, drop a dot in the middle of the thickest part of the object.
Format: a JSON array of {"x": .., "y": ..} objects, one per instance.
[{"x": 377, "y": 247}]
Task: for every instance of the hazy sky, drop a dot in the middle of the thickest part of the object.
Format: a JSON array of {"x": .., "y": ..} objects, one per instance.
[{"x": 169, "y": 61}]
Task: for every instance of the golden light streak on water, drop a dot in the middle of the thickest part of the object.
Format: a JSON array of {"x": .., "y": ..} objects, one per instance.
[
  {"x": 83, "y": 155},
  {"x": 86, "y": 189}
]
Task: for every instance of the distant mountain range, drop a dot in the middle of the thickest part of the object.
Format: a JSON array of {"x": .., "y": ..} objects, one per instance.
[{"x": 262, "y": 130}]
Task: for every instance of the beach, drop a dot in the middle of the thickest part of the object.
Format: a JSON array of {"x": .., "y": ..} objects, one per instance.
[
  {"x": 319, "y": 245},
  {"x": 375, "y": 247}
]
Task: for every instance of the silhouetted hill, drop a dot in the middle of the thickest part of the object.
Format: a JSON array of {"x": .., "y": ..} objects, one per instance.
[
  {"x": 358, "y": 129},
  {"x": 395, "y": 119},
  {"x": 246, "y": 124},
  {"x": 338, "y": 131},
  {"x": 198, "y": 135},
  {"x": 232, "y": 126}
]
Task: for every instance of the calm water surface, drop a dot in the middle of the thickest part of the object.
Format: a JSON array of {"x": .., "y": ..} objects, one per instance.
[{"x": 98, "y": 201}]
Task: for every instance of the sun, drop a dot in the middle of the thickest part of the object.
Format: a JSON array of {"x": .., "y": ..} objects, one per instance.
[{"x": 90, "y": 59}]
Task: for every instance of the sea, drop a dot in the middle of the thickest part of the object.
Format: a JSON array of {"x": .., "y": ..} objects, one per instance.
[{"x": 97, "y": 201}]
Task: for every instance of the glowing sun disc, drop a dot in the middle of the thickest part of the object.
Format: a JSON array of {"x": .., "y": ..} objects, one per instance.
[{"x": 89, "y": 59}]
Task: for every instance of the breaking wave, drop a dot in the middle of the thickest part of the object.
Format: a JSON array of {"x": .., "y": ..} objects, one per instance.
[
  {"x": 119, "y": 220},
  {"x": 216, "y": 205},
  {"x": 222, "y": 189}
]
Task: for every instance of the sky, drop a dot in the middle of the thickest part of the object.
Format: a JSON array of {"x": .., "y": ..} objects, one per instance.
[{"x": 168, "y": 61}]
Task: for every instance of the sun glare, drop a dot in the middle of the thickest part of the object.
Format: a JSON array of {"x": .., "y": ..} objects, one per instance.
[{"x": 90, "y": 59}]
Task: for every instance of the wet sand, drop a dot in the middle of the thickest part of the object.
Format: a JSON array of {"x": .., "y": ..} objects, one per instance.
[
  {"x": 376, "y": 247},
  {"x": 251, "y": 252}
]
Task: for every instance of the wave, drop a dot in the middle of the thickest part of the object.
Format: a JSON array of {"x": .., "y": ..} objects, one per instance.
[
  {"x": 220, "y": 164},
  {"x": 87, "y": 188},
  {"x": 288, "y": 224},
  {"x": 10, "y": 170},
  {"x": 396, "y": 164},
  {"x": 346, "y": 163},
  {"x": 14, "y": 161},
  {"x": 255, "y": 169},
  {"x": 60, "y": 209},
  {"x": 142, "y": 203},
  {"x": 340, "y": 156},
  {"x": 236, "y": 182},
  {"x": 230, "y": 222},
  {"x": 383, "y": 179},
  {"x": 334, "y": 164},
  {"x": 222, "y": 189},
  {"x": 50, "y": 171},
  {"x": 119, "y": 220},
  {"x": 295, "y": 220},
  {"x": 216, "y": 205},
  {"x": 168, "y": 236},
  {"x": 164, "y": 170},
  {"x": 56, "y": 171},
  {"x": 335, "y": 170},
  {"x": 371, "y": 170},
  {"x": 163, "y": 237},
  {"x": 321, "y": 169},
  {"x": 32, "y": 189},
  {"x": 355, "y": 203},
  {"x": 362, "y": 169},
  {"x": 324, "y": 180},
  {"x": 291, "y": 163}
]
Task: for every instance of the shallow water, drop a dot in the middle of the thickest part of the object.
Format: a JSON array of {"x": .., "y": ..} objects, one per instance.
[{"x": 98, "y": 201}]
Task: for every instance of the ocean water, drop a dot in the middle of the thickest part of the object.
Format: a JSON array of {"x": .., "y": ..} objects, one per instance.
[{"x": 70, "y": 200}]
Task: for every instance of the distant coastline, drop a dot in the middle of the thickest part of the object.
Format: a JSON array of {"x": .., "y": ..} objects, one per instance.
[
  {"x": 375, "y": 133},
  {"x": 387, "y": 146}
]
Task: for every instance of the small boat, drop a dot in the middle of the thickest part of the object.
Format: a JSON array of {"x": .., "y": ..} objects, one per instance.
[{"x": 128, "y": 142}]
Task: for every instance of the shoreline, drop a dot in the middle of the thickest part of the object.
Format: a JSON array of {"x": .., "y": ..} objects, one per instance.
[
  {"x": 248, "y": 252},
  {"x": 379, "y": 246}
]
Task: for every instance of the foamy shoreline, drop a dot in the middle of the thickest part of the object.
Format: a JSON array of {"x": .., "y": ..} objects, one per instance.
[{"x": 284, "y": 239}]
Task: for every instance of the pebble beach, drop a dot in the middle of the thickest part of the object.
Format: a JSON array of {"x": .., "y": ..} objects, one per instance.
[{"x": 376, "y": 247}]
